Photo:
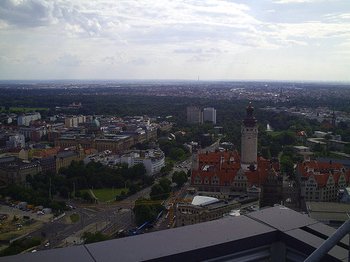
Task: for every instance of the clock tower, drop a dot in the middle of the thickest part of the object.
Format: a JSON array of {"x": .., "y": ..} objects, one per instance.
[{"x": 249, "y": 137}]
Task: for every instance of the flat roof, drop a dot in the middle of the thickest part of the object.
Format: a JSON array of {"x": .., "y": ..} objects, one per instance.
[
  {"x": 209, "y": 240},
  {"x": 328, "y": 211},
  {"x": 282, "y": 218},
  {"x": 71, "y": 254},
  {"x": 179, "y": 240},
  {"x": 328, "y": 207}
]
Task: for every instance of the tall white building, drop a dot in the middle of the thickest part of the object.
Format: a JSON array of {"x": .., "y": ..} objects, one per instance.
[
  {"x": 16, "y": 141},
  {"x": 194, "y": 115},
  {"x": 209, "y": 114},
  {"x": 249, "y": 143},
  {"x": 24, "y": 120},
  {"x": 152, "y": 159},
  {"x": 74, "y": 121}
]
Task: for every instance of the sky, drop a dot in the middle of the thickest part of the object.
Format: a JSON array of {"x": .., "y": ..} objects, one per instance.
[{"x": 303, "y": 40}]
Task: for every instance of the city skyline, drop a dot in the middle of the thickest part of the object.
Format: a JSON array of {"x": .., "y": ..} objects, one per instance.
[{"x": 297, "y": 40}]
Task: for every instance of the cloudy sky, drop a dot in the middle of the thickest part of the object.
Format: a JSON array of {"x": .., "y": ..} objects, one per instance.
[{"x": 175, "y": 39}]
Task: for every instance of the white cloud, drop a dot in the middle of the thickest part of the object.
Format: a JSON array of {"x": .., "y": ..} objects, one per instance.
[
  {"x": 161, "y": 36},
  {"x": 296, "y": 1}
]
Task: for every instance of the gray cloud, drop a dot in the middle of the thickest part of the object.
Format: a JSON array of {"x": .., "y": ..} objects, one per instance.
[
  {"x": 29, "y": 13},
  {"x": 36, "y": 13}
]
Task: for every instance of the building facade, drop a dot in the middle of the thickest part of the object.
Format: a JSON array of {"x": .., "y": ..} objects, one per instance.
[
  {"x": 152, "y": 159},
  {"x": 194, "y": 115},
  {"x": 209, "y": 115},
  {"x": 74, "y": 121},
  {"x": 24, "y": 120},
  {"x": 189, "y": 214},
  {"x": 321, "y": 181}
]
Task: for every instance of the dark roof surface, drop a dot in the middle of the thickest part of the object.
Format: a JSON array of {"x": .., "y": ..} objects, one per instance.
[
  {"x": 179, "y": 240},
  {"x": 214, "y": 239},
  {"x": 282, "y": 218},
  {"x": 70, "y": 254}
]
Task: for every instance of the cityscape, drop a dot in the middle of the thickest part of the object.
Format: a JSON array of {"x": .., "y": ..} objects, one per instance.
[
  {"x": 69, "y": 177},
  {"x": 187, "y": 130}
]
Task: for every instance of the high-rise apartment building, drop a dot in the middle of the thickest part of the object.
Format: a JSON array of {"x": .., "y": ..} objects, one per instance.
[
  {"x": 194, "y": 115},
  {"x": 209, "y": 114}
]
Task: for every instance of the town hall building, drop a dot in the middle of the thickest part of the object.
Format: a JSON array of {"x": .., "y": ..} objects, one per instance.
[{"x": 225, "y": 173}]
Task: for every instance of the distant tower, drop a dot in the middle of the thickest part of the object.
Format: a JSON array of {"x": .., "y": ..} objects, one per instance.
[
  {"x": 249, "y": 131},
  {"x": 334, "y": 120}
]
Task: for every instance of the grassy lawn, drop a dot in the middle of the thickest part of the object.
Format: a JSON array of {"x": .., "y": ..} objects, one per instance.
[
  {"x": 23, "y": 109},
  {"x": 74, "y": 218},
  {"x": 274, "y": 133},
  {"x": 27, "y": 109},
  {"x": 107, "y": 194}
]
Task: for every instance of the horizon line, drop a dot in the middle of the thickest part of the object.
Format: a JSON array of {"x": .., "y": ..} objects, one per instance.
[{"x": 174, "y": 80}]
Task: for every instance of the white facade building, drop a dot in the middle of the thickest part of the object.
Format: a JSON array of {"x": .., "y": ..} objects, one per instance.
[
  {"x": 24, "y": 120},
  {"x": 209, "y": 114},
  {"x": 152, "y": 159},
  {"x": 74, "y": 121},
  {"x": 16, "y": 141}
]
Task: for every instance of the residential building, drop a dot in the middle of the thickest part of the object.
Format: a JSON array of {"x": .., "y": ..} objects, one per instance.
[
  {"x": 34, "y": 133},
  {"x": 24, "y": 120},
  {"x": 209, "y": 115},
  {"x": 152, "y": 159},
  {"x": 74, "y": 121},
  {"x": 16, "y": 141},
  {"x": 194, "y": 115}
]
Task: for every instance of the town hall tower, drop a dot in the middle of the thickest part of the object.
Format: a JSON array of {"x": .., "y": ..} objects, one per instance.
[{"x": 249, "y": 137}]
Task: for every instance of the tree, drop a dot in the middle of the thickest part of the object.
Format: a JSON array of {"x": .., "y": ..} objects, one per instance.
[
  {"x": 146, "y": 210},
  {"x": 157, "y": 192},
  {"x": 287, "y": 165},
  {"x": 161, "y": 190},
  {"x": 179, "y": 178},
  {"x": 86, "y": 196},
  {"x": 177, "y": 153},
  {"x": 89, "y": 237},
  {"x": 165, "y": 184}
]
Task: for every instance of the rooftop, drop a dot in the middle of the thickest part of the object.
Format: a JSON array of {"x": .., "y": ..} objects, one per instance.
[{"x": 272, "y": 234}]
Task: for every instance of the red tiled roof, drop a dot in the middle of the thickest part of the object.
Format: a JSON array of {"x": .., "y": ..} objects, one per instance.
[
  {"x": 324, "y": 170},
  {"x": 227, "y": 170},
  {"x": 322, "y": 167},
  {"x": 321, "y": 179},
  {"x": 46, "y": 152}
]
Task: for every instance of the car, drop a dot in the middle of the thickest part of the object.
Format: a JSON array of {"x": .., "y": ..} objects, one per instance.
[{"x": 34, "y": 250}]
